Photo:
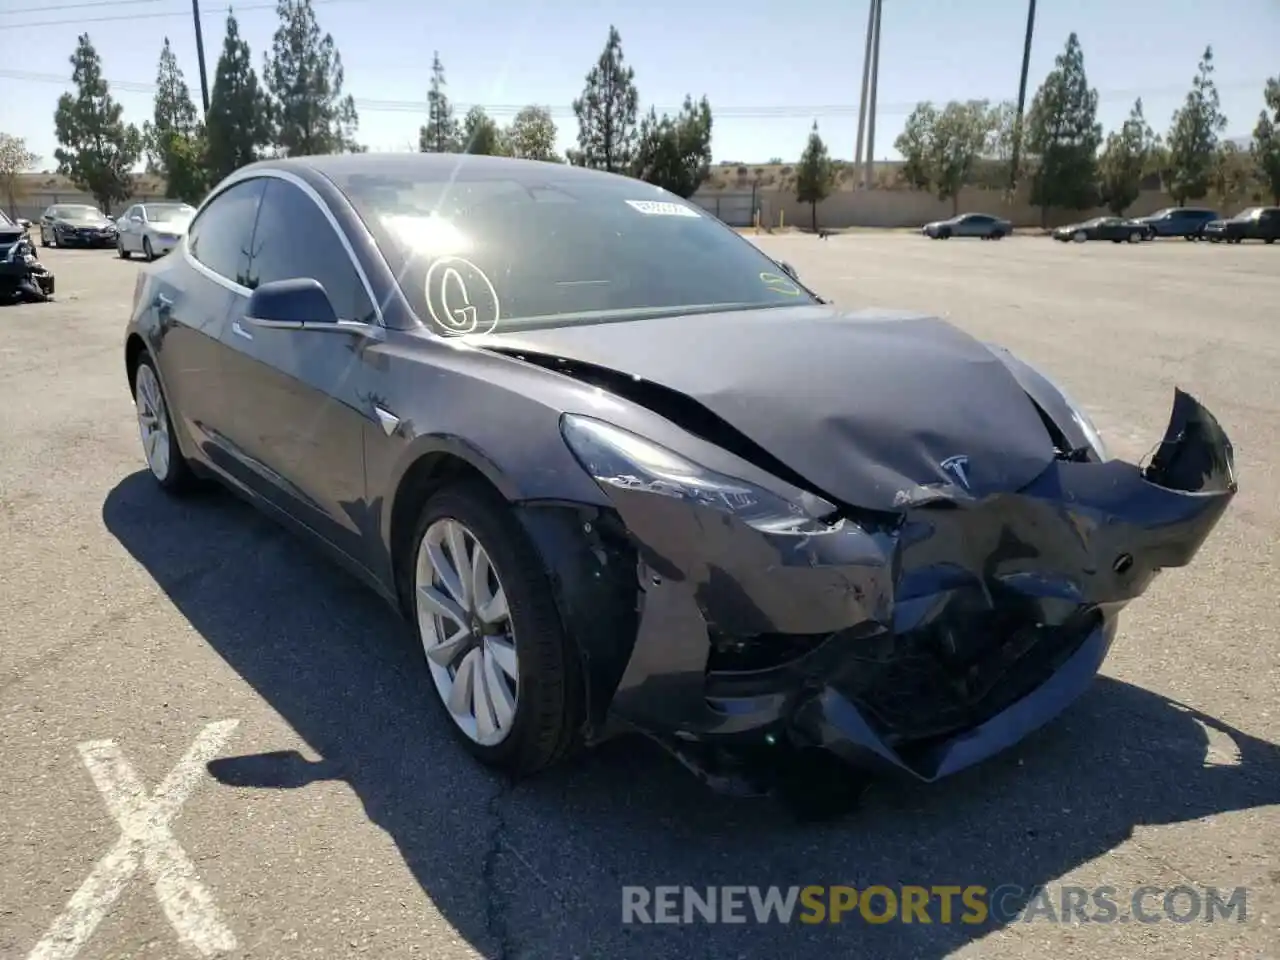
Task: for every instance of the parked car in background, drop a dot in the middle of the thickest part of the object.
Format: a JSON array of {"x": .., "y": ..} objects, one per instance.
[
  {"x": 1115, "y": 229},
  {"x": 981, "y": 225},
  {"x": 152, "y": 229},
  {"x": 1255, "y": 223},
  {"x": 22, "y": 276},
  {"x": 1185, "y": 222},
  {"x": 76, "y": 225}
]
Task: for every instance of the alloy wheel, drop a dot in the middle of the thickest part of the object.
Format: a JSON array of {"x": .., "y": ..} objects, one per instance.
[
  {"x": 153, "y": 421},
  {"x": 466, "y": 631}
]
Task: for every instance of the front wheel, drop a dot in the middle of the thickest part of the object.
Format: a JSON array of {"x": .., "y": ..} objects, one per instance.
[
  {"x": 1135, "y": 236},
  {"x": 121, "y": 252},
  {"x": 155, "y": 427},
  {"x": 1079, "y": 236},
  {"x": 147, "y": 252},
  {"x": 503, "y": 669}
]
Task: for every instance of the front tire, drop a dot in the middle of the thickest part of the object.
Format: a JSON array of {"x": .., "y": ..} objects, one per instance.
[
  {"x": 147, "y": 252},
  {"x": 121, "y": 252},
  {"x": 504, "y": 672},
  {"x": 155, "y": 428},
  {"x": 1079, "y": 236}
]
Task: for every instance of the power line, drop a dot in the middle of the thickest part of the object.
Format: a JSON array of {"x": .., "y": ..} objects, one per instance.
[
  {"x": 77, "y": 6},
  {"x": 758, "y": 112},
  {"x": 160, "y": 15}
]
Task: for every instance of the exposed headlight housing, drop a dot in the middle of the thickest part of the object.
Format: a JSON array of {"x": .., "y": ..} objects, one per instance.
[
  {"x": 618, "y": 458},
  {"x": 1091, "y": 433}
]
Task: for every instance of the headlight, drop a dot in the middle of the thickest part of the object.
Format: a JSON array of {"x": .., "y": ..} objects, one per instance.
[{"x": 619, "y": 458}]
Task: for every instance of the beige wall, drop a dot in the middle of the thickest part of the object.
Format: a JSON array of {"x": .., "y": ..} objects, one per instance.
[
  {"x": 34, "y": 202},
  {"x": 912, "y": 208}
]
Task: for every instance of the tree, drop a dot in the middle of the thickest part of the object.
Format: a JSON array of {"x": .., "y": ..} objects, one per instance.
[
  {"x": 942, "y": 148},
  {"x": 606, "y": 112},
  {"x": 815, "y": 174},
  {"x": 1193, "y": 138},
  {"x": 1125, "y": 160},
  {"x": 98, "y": 149},
  {"x": 1063, "y": 134},
  {"x": 1235, "y": 176},
  {"x": 15, "y": 158},
  {"x": 174, "y": 138},
  {"x": 236, "y": 128},
  {"x": 1265, "y": 148},
  {"x": 481, "y": 135},
  {"x": 1002, "y": 125},
  {"x": 532, "y": 135},
  {"x": 441, "y": 133},
  {"x": 304, "y": 80},
  {"x": 675, "y": 152}
]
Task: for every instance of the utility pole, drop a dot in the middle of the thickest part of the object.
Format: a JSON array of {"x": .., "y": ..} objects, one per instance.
[
  {"x": 204, "y": 76},
  {"x": 1022, "y": 96},
  {"x": 871, "y": 103},
  {"x": 866, "y": 79}
]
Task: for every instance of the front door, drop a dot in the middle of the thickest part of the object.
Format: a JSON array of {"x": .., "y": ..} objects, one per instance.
[{"x": 300, "y": 399}]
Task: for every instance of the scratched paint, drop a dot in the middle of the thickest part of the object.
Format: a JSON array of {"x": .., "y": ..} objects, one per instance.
[{"x": 145, "y": 841}]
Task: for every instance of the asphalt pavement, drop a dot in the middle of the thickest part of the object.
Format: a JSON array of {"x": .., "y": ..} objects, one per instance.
[{"x": 215, "y": 743}]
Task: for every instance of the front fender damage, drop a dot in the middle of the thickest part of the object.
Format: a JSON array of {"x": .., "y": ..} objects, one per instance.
[{"x": 918, "y": 642}]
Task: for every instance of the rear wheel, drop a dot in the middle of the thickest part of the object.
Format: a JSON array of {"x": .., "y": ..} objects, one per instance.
[
  {"x": 147, "y": 252},
  {"x": 1135, "y": 236},
  {"x": 504, "y": 672},
  {"x": 997, "y": 235}
]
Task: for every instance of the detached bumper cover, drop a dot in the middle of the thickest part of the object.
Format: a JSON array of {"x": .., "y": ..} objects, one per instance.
[{"x": 923, "y": 642}]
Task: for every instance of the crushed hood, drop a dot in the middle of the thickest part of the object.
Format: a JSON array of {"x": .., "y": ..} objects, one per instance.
[{"x": 864, "y": 406}]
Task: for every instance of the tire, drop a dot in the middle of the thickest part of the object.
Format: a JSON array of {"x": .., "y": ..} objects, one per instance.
[
  {"x": 1134, "y": 236},
  {"x": 147, "y": 253},
  {"x": 175, "y": 477},
  {"x": 550, "y": 697},
  {"x": 1269, "y": 240},
  {"x": 121, "y": 252},
  {"x": 1079, "y": 236},
  {"x": 998, "y": 235}
]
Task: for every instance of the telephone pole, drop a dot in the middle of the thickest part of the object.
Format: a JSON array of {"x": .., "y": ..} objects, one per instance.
[
  {"x": 871, "y": 102},
  {"x": 204, "y": 76},
  {"x": 1022, "y": 96},
  {"x": 866, "y": 79}
]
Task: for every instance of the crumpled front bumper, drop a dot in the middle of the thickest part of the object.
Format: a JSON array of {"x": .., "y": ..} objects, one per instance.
[{"x": 922, "y": 642}]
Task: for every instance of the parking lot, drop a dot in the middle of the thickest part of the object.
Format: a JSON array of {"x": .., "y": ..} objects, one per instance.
[{"x": 325, "y": 810}]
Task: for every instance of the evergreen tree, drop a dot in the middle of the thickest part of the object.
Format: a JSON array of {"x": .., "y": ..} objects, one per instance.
[
  {"x": 532, "y": 135},
  {"x": 815, "y": 174},
  {"x": 1193, "y": 138},
  {"x": 606, "y": 111},
  {"x": 1063, "y": 133},
  {"x": 675, "y": 152},
  {"x": 98, "y": 149},
  {"x": 304, "y": 80},
  {"x": 1125, "y": 160},
  {"x": 236, "y": 128},
  {"x": 1265, "y": 148},
  {"x": 440, "y": 134},
  {"x": 942, "y": 148},
  {"x": 174, "y": 138}
]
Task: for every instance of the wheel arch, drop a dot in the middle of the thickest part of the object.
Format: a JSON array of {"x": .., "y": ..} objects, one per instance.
[{"x": 134, "y": 348}]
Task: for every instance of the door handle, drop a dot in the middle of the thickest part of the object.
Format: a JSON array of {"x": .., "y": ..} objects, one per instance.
[{"x": 240, "y": 331}]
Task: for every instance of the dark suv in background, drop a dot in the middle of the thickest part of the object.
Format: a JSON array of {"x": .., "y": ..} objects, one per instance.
[{"x": 1185, "y": 222}]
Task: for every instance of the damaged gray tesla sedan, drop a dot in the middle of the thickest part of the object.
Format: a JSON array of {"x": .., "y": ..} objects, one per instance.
[{"x": 624, "y": 472}]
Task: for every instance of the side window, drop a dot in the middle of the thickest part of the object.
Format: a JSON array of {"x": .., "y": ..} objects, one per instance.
[
  {"x": 219, "y": 237},
  {"x": 295, "y": 239}
]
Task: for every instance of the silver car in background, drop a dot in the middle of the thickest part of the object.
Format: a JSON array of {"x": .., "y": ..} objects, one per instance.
[
  {"x": 152, "y": 229},
  {"x": 981, "y": 225}
]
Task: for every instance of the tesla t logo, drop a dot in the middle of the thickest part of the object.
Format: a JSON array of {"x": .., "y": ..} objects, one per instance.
[{"x": 958, "y": 467}]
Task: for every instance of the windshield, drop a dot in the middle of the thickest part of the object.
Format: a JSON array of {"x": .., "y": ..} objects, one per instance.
[
  {"x": 168, "y": 212},
  {"x": 494, "y": 253},
  {"x": 77, "y": 213}
]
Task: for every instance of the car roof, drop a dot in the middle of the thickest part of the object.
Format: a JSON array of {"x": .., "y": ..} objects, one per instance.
[{"x": 341, "y": 167}]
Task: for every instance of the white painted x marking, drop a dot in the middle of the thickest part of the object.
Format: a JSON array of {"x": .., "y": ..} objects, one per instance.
[{"x": 145, "y": 839}]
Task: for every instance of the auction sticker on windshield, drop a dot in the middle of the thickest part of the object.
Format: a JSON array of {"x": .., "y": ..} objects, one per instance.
[{"x": 660, "y": 208}]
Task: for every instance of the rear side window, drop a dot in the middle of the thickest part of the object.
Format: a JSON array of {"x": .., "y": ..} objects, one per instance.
[
  {"x": 295, "y": 239},
  {"x": 219, "y": 237}
]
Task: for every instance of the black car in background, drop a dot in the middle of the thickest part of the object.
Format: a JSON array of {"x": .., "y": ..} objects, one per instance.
[
  {"x": 1255, "y": 223},
  {"x": 1185, "y": 222},
  {"x": 76, "y": 225},
  {"x": 22, "y": 276},
  {"x": 1115, "y": 229}
]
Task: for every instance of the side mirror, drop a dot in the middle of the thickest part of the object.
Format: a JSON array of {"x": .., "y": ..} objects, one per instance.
[
  {"x": 291, "y": 303},
  {"x": 135, "y": 219},
  {"x": 789, "y": 270},
  {"x": 24, "y": 223}
]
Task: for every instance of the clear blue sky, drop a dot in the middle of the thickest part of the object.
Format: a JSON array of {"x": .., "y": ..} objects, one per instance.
[{"x": 768, "y": 68}]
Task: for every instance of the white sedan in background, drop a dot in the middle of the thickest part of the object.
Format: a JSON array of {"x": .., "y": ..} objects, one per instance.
[{"x": 152, "y": 229}]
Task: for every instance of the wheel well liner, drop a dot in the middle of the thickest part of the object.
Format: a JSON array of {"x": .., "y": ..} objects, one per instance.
[{"x": 134, "y": 348}]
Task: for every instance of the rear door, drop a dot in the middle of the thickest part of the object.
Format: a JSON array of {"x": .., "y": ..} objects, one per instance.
[
  {"x": 301, "y": 399},
  {"x": 194, "y": 296}
]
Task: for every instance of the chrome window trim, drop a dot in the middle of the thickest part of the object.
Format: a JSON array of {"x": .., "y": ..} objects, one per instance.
[{"x": 310, "y": 192}]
